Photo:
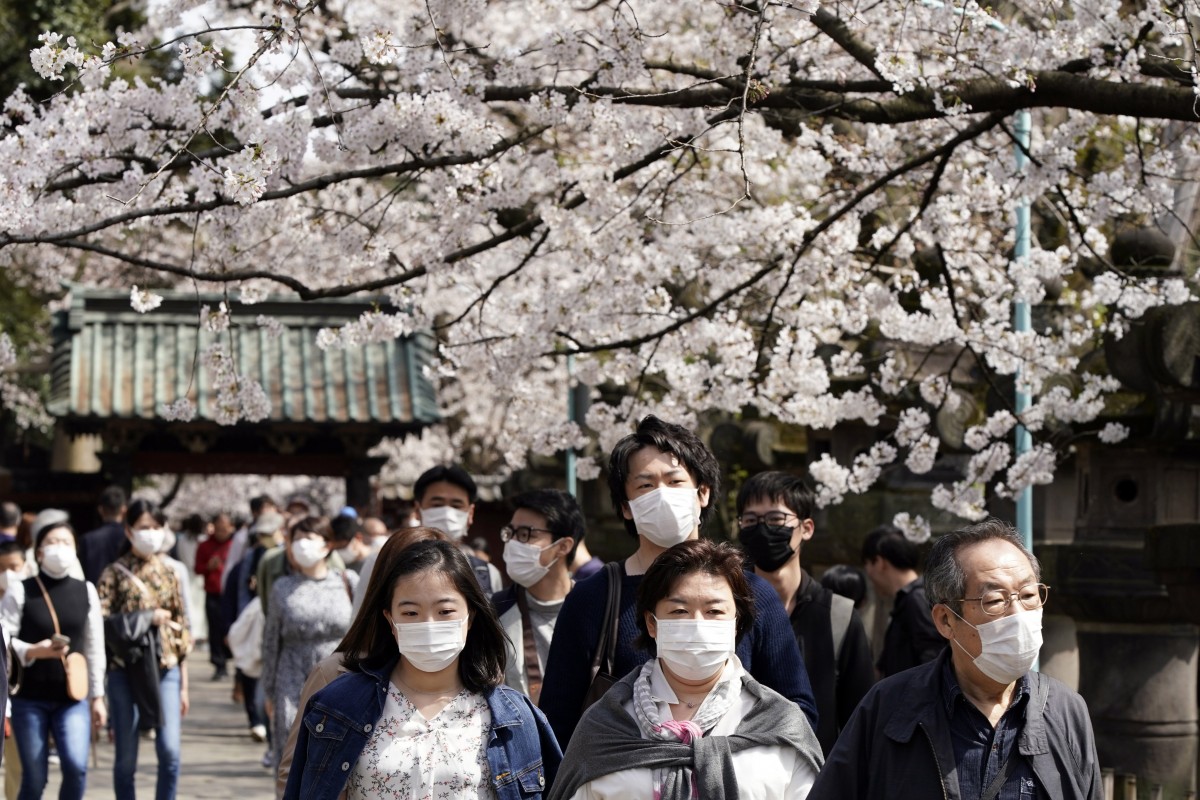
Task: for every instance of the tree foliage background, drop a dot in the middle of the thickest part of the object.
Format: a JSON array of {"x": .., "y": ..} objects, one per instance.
[{"x": 796, "y": 210}]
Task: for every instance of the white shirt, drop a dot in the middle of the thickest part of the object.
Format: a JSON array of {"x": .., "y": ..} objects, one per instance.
[
  {"x": 444, "y": 758},
  {"x": 763, "y": 773},
  {"x": 12, "y": 607}
]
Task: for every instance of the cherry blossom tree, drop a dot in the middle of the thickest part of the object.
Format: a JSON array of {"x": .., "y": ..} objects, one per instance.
[{"x": 798, "y": 210}]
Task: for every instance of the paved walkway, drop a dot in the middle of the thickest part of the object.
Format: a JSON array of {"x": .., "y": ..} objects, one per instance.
[{"x": 220, "y": 760}]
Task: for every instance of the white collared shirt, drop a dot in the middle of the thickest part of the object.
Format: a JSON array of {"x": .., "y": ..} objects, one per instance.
[{"x": 763, "y": 773}]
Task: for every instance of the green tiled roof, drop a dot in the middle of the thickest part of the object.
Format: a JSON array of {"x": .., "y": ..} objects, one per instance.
[{"x": 111, "y": 362}]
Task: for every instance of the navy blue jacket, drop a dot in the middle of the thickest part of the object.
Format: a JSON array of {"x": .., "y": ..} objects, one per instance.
[{"x": 522, "y": 753}]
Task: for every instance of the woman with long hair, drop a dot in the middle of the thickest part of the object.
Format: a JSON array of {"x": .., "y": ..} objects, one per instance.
[
  {"x": 423, "y": 711},
  {"x": 51, "y": 615},
  {"x": 692, "y": 722},
  {"x": 146, "y": 630}
]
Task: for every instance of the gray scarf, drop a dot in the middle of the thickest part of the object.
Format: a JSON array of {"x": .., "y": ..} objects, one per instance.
[{"x": 608, "y": 740}]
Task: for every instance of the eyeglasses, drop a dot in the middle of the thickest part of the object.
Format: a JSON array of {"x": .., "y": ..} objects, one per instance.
[
  {"x": 770, "y": 518},
  {"x": 994, "y": 603},
  {"x": 521, "y": 534}
]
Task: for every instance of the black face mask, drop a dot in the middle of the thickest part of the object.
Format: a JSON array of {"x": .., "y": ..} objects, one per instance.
[{"x": 769, "y": 546}]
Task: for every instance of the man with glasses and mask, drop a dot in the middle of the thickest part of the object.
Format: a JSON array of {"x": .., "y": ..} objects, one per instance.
[
  {"x": 662, "y": 480},
  {"x": 975, "y": 722},
  {"x": 539, "y": 543},
  {"x": 774, "y": 520}
]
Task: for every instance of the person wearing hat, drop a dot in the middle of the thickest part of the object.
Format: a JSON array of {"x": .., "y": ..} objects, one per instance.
[{"x": 50, "y": 615}]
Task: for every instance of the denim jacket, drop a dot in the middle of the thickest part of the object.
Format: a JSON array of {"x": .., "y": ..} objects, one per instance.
[{"x": 522, "y": 753}]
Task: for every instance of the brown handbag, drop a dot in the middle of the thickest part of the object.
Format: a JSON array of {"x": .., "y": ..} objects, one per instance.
[{"x": 74, "y": 664}]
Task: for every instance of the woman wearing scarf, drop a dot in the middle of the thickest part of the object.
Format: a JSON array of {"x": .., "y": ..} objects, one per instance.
[{"x": 691, "y": 723}]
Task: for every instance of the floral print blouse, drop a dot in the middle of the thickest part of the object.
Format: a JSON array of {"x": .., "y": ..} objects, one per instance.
[
  {"x": 120, "y": 594},
  {"x": 444, "y": 758}
]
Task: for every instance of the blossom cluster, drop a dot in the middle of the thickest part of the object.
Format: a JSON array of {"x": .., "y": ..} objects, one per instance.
[{"x": 713, "y": 210}]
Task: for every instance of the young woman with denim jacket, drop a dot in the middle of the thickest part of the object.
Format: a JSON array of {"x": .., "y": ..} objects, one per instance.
[{"x": 422, "y": 710}]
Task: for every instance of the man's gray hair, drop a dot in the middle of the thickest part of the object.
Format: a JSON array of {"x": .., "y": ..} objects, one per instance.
[{"x": 944, "y": 578}]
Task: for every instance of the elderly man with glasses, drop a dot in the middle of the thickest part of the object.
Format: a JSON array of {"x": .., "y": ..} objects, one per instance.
[{"x": 976, "y": 722}]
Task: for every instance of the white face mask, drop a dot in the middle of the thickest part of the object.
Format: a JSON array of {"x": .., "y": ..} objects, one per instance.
[
  {"x": 695, "y": 649},
  {"x": 431, "y": 646},
  {"x": 1010, "y": 645},
  {"x": 57, "y": 559},
  {"x": 348, "y": 555},
  {"x": 7, "y": 578},
  {"x": 308, "y": 552},
  {"x": 447, "y": 519},
  {"x": 523, "y": 562},
  {"x": 377, "y": 543},
  {"x": 666, "y": 516},
  {"x": 148, "y": 541}
]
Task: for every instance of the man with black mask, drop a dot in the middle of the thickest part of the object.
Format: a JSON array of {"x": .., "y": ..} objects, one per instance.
[{"x": 774, "y": 519}]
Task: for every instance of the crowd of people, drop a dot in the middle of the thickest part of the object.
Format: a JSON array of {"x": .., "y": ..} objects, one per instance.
[{"x": 379, "y": 661}]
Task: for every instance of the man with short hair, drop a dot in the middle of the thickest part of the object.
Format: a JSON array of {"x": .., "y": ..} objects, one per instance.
[
  {"x": 975, "y": 722},
  {"x": 100, "y": 547},
  {"x": 259, "y": 505},
  {"x": 445, "y": 497},
  {"x": 661, "y": 479},
  {"x": 10, "y": 520},
  {"x": 349, "y": 540},
  {"x": 539, "y": 542},
  {"x": 775, "y": 519},
  {"x": 211, "y": 557},
  {"x": 890, "y": 561}
]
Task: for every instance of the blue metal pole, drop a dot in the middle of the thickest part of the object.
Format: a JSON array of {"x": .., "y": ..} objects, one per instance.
[
  {"x": 571, "y": 418},
  {"x": 1021, "y": 322}
]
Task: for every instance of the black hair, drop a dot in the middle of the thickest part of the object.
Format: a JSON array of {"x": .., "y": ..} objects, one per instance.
[
  {"x": 371, "y": 639},
  {"x": 777, "y": 487},
  {"x": 719, "y": 559},
  {"x": 889, "y": 543},
  {"x": 257, "y": 503},
  {"x": 847, "y": 581},
  {"x": 8, "y": 547},
  {"x": 563, "y": 515},
  {"x": 317, "y": 525},
  {"x": 666, "y": 437},
  {"x": 450, "y": 473},
  {"x": 46, "y": 529},
  {"x": 192, "y": 524},
  {"x": 344, "y": 528},
  {"x": 113, "y": 499},
  {"x": 139, "y": 507},
  {"x": 10, "y": 515}
]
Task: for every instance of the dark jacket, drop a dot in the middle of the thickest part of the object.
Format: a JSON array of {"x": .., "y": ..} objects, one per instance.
[
  {"x": 898, "y": 745},
  {"x": 336, "y": 725},
  {"x": 99, "y": 548},
  {"x": 911, "y": 636},
  {"x": 839, "y": 680}
]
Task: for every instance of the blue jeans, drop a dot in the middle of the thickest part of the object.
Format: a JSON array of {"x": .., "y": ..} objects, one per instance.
[
  {"x": 71, "y": 723},
  {"x": 124, "y": 716}
]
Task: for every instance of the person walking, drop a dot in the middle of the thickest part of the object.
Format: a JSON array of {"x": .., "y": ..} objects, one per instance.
[
  {"x": 661, "y": 479},
  {"x": 146, "y": 632},
  {"x": 211, "y": 556},
  {"x": 774, "y": 521},
  {"x": 691, "y": 722},
  {"x": 54, "y": 617},
  {"x": 977, "y": 721},
  {"x": 423, "y": 710},
  {"x": 308, "y": 613}
]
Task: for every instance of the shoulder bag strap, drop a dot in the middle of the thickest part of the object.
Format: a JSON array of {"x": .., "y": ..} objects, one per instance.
[
  {"x": 1006, "y": 769},
  {"x": 49, "y": 605},
  {"x": 612, "y": 616},
  {"x": 533, "y": 667},
  {"x": 840, "y": 611},
  {"x": 138, "y": 582},
  {"x": 349, "y": 591}
]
